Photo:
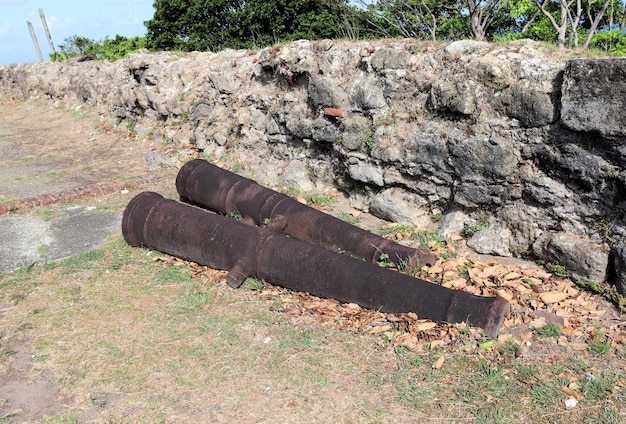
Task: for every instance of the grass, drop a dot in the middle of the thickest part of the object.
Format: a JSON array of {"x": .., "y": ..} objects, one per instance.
[
  {"x": 469, "y": 230},
  {"x": 55, "y": 173},
  {"x": 345, "y": 216},
  {"x": 127, "y": 329},
  {"x": 423, "y": 239},
  {"x": 320, "y": 201},
  {"x": 4, "y": 355},
  {"x": 548, "y": 330}
]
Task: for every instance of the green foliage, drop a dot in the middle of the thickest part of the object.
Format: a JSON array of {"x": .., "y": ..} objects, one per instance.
[
  {"x": 512, "y": 347},
  {"x": 555, "y": 268},
  {"x": 220, "y": 24},
  {"x": 598, "y": 387},
  {"x": 213, "y": 25},
  {"x": 252, "y": 284},
  {"x": 611, "y": 42},
  {"x": 118, "y": 47},
  {"x": 384, "y": 262},
  {"x": 405, "y": 230},
  {"x": 529, "y": 23},
  {"x": 319, "y": 200},
  {"x": 608, "y": 292},
  {"x": 469, "y": 230},
  {"x": 423, "y": 19},
  {"x": 600, "y": 348},
  {"x": 107, "y": 49},
  {"x": 75, "y": 46},
  {"x": 548, "y": 330},
  {"x": 541, "y": 31}
]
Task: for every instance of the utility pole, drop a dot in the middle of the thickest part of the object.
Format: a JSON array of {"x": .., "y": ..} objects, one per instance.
[
  {"x": 34, "y": 37},
  {"x": 45, "y": 28}
]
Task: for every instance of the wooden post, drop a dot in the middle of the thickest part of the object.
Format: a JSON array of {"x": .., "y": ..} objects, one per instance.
[
  {"x": 34, "y": 37},
  {"x": 47, "y": 31}
]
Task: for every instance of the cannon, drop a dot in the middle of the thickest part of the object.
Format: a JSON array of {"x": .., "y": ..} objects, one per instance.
[
  {"x": 204, "y": 184},
  {"x": 245, "y": 250}
]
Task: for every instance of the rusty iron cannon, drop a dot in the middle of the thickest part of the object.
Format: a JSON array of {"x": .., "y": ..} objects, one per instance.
[
  {"x": 204, "y": 184},
  {"x": 244, "y": 250}
]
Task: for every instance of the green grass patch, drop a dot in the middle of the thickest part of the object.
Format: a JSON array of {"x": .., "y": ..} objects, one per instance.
[
  {"x": 469, "y": 230},
  {"x": 173, "y": 274},
  {"x": 319, "y": 200},
  {"x": 423, "y": 239},
  {"x": 548, "y": 330}
]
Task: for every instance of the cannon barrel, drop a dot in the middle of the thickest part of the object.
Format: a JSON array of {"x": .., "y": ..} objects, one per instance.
[
  {"x": 244, "y": 250},
  {"x": 204, "y": 184}
]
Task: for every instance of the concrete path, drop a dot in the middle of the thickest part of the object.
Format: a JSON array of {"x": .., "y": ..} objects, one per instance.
[
  {"x": 53, "y": 157},
  {"x": 28, "y": 240}
]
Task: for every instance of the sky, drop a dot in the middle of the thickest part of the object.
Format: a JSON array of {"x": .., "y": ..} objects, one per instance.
[{"x": 65, "y": 18}]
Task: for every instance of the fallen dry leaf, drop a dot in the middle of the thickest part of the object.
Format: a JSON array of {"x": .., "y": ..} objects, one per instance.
[
  {"x": 408, "y": 340},
  {"x": 435, "y": 269},
  {"x": 531, "y": 293},
  {"x": 435, "y": 343},
  {"x": 439, "y": 362},
  {"x": 579, "y": 346},
  {"x": 380, "y": 329},
  {"x": 553, "y": 296},
  {"x": 568, "y": 392},
  {"x": 424, "y": 326},
  {"x": 512, "y": 276}
]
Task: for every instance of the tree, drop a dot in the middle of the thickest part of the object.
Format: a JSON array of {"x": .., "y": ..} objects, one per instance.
[
  {"x": 482, "y": 15},
  {"x": 423, "y": 19},
  {"x": 595, "y": 21},
  {"x": 263, "y": 22},
  {"x": 219, "y": 24},
  {"x": 439, "y": 19},
  {"x": 560, "y": 26},
  {"x": 569, "y": 18},
  {"x": 192, "y": 25},
  {"x": 76, "y": 46},
  {"x": 107, "y": 49}
]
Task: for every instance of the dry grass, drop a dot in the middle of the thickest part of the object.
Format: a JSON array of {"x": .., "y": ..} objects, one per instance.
[
  {"x": 135, "y": 336},
  {"x": 142, "y": 341}
]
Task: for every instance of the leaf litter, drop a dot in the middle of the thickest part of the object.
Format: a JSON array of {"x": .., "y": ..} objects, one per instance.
[{"x": 537, "y": 298}]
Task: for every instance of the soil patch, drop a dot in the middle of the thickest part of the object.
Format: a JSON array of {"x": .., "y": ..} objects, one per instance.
[
  {"x": 51, "y": 155},
  {"x": 45, "y": 150}
]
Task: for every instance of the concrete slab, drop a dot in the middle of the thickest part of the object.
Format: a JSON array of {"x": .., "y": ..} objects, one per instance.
[{"x": 28, "y": 240}]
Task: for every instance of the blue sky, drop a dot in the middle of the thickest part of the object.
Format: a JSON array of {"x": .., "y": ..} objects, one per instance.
[{"x": 86, "y": 18}]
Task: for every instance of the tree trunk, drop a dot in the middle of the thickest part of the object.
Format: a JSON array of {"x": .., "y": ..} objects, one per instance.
[
  {"x": 596, "y": 22},
  {"x": 560, "y": 28}
]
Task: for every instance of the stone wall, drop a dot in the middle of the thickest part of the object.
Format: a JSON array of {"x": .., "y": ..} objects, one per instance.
[{"x": 508, "y": 136}]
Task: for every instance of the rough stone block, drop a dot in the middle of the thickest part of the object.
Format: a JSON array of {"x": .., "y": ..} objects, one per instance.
[
  {"x": 399, "y": 206},
  {"x": 493, "y": 240},
  {"x": 594, "y": 96},
  {"x": 583, "y": 258}
]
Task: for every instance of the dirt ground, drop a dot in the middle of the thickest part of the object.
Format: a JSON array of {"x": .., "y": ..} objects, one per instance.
[
  {"x": 58, "y": 154},
  {"x": 46, "y": 150}
]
